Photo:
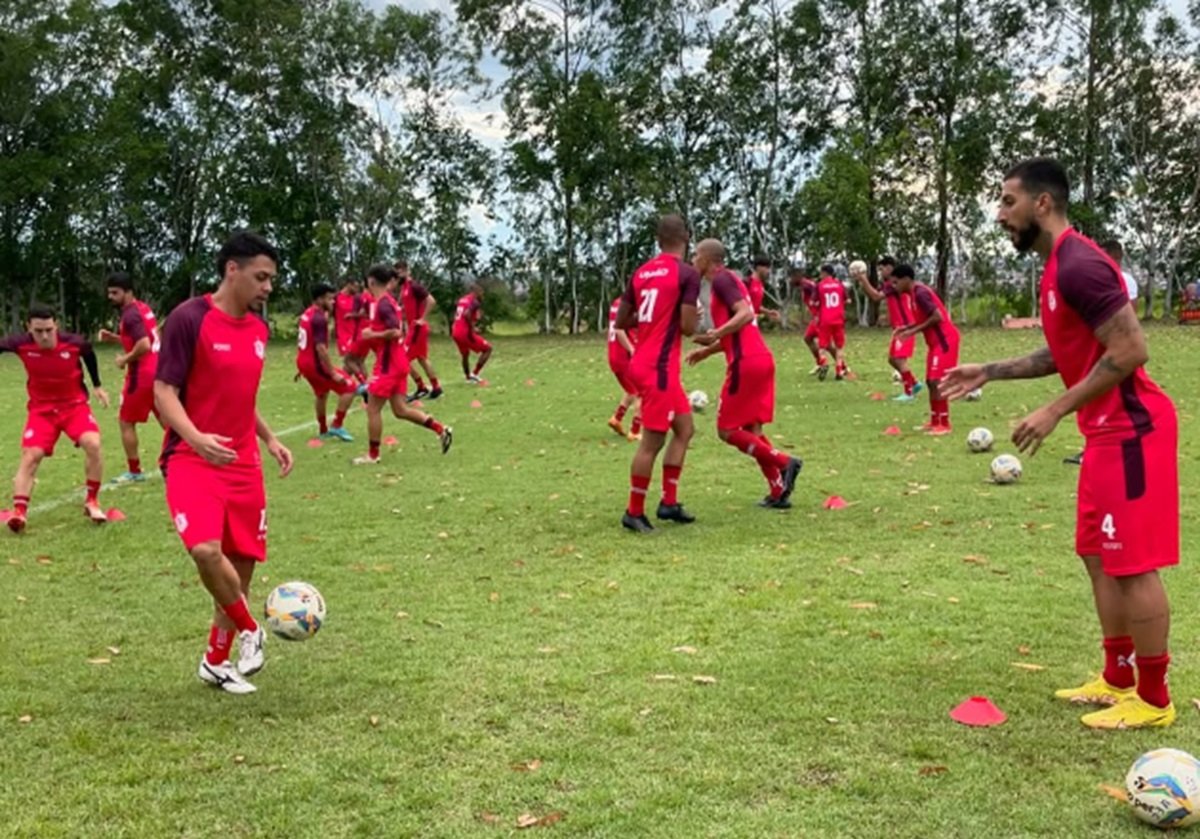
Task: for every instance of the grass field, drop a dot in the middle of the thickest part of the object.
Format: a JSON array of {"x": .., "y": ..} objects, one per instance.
[{"x": 496, "y": 645}]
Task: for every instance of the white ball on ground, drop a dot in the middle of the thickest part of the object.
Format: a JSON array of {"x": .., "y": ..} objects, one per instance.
[
  {"x": 295, "y": 611},
  {"x": 980, "y": 440},
  {"x": 699, "y": 400},
  {"x": 1164, "y": 788},
  {"x": 1006, "y": 469}
]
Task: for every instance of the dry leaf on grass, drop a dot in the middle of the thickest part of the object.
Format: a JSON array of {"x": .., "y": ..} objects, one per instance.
[
  {"x": 527, "y": 766},
  {"x": 99, "y": 661},
  {"x": 1024, "y": 665},
  {"x": 974, "y": 559},
  {"x": 44, "y": 560},
  {"x": 401, "y": 615},
  {"x": 704, "y": 680},
  {"x": 1114, "y": 792},
  {"x": 663, "y": 677},
  {"x": 373, "y": 720},
  {"x": 433, "y": 623},
  {"x": 1024, "y": 649},
  {"x": 866, "y": 604},
  {"x": 926, "y": 771},
  {"x": 27, "y": 718},
  {"x": 115, "y": 651},
  {"x": 494, "y": 597},
  {"x": 686, "y": 650},
  {"x": 526, "y": 820},
  {"x": 239, "y": 758},
  {"x": 1196, "y": 702},
  {"x": 951, "y": 599}
]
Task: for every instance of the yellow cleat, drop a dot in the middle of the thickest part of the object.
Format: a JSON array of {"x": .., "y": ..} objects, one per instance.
[
  {"x": 1095, "y": 692},
  {"x": 1131, "y": 712}
]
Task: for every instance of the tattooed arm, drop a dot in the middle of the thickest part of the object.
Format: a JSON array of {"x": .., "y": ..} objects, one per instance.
[{"x": 963, "y": 379}]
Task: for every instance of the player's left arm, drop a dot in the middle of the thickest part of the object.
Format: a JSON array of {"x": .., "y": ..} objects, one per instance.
[
  {"x": 689, "y": 300},
  {"x": 696, "y": 356},
  {"x": 1125, "y": 351},
  {"x": 88, "y": 356},
  {"x": 277, "y": 449},
  {"x": 906, "y": 332},
  {"x": 430, "y": 302}
]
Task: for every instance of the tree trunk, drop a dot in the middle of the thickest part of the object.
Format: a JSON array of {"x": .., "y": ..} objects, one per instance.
[
  {"x": 951, "y": 103},
  {"x": 1089, "y": 140}
]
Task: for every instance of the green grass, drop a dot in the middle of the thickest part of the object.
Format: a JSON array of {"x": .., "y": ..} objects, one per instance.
[{"x": 486, "y": 609}]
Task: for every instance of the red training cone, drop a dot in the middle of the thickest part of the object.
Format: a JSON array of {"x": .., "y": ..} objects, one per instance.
[
  {"x": 314, "y": 443},
  {"x": 892, "y": 431},
  {"x": 877, "y": 397},
  {"x": 530, "y": 383},
  {"x": 5, "y": 515},
  {"x": 114, "y": 514},
  {"x": 978, "y": 711},
  {"x": 476, "y": 404},
  {"x": 835, "y": 502},
  {"x": 390, "y": 440}
]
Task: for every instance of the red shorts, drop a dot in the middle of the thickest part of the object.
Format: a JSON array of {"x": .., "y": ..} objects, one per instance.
[
  {"x": 812, "y": 331},
  {"x": 748, "y": 395},
  {"x": 358, "y": 348},
  {"x": 902, "y": 349},
  {"x": 322, "y": 384},
  {"x": 344, "y": 344},
  {"x": 938, "y": 361},
  {"x": 1128, "y": 505},
  {"x": 620, "y": 369},
  {"x": 417, "y": 342},
  {"x": 225, "y": 504},
  {"x": 43, "y": 425},
  {"x": 660, "y": 405},
  {"x": 471, "y": 343},
  {"x": 137, "y": 405},
  {"x": 831, "y": 334}
]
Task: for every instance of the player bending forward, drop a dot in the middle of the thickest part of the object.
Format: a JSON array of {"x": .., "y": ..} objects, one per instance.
[
  {"x": 206, "y": 391},
  {"x": 58, "y": 404},
  {"x": 1127, "y": 507},
  {"x": 748, "y": 395},
  {"x": 313, "y": 363},
  {"x": 941, "y": 343},
  {"x": 620, "y": 351}
]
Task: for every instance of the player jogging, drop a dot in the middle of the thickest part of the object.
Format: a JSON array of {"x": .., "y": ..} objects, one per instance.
[
  {"x": 349, "y": 315},
  {"x": 466, "y": 333},
  {"x": 58, "y": 404},
  {"x": 808, "y": 295},
  {"x": 660, "y": 301},
  {"x": 389, "y": 376},
  {"x": 137, "y": 333},
  {"x": 206, "y": 391},
  {"x": 313, "y": 363},
  {"x": 1127, "y": 505},
  {"x": 900, "y": 314},
  {"x": 831, "y": 321},
  {"x": 941, "y": 343},
  {"x": 620, "y": 351},
  {"x": 416, "y": 303},
  {"x": 748, "y": 395}
]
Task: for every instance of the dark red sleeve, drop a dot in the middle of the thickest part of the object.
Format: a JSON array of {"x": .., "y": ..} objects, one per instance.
[
  {"x": 627, "y": 296},
  {"x": 13, "y": 342},
  {"x": 923, "y": 300},
  {"x": 87, "y": 355},
  {"x": 360, "y": 305},
  {"x": 320, "y": 328},
  {"x": 386, "y": 313},
  {"x": 180, "y": 336},
  {"x": 725, "y": 289},
  {"x": 1088, "y": 283},
  {"x": 689, "y": 284},
  {"x": 133, "y": 325},
  {"x": 419, "y": 292}
]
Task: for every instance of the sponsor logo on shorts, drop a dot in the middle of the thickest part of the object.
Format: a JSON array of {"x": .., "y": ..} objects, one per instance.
[
  {"x": 181, "y": 522},
  {"x": 28, "y": 433}
]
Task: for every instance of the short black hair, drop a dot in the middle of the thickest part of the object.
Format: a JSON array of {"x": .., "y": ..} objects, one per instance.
[
  {"x": 828, "y": 269},
  {"x": 887, "y": 260},
  {"x": 381, "y": 273},
  {"x": 796, "y": 270},
  {"x": 119, "y": 279},
  {"x": 672, "y": 231},
  {"x": 400, "y": 264},
  {"x": 321, "y": 289},
  {"x": 242, "y": 246},
  {"x": 903, "y": 271},
  {"x": 761, "y": 260},
  {"x": 1043, "y": 174},
  {"x": 1114, "y": 248},
  {"x": 40, "y": 311}
]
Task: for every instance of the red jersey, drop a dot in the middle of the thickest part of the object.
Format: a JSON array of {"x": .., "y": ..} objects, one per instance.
[
  {"x": 757, "y": 291},
  {"x": 412, "y": 300},
  {"x": 216, "y": 362},
  {"x": 138, "y": 322},
  {"x": 943, "y": 334},
  {"x": 831, "y": 302},
  {"x": 313, "y": 332},
  {"x": 344, "y": 305},
  {"x": 55, "y": 378},
  {"x": 727, "y": 290},
  {"x": 657, "y": 292},
  {"x": 615, "y": 350},
  {"x": 390, "y": 355},
  {"x": 899, "y": 305},
  {"x": 1081, "y": 289},
  {"x": 466, "y": 315},
  {"x": 808, "y": 294}
]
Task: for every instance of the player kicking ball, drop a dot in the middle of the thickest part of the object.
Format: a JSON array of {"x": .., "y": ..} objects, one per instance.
[
  {"x": 748, "y": 395},
  {"x": 1127, "y": 505},
  {"x": 312, "y": 362},
  {"x": 58, "y": 404},
  {"x": 206, "y": 391},
  {"x": 620, "y": 351},
  {"x": 465, "y": 333},
  {"x": 941, "y": 343}
]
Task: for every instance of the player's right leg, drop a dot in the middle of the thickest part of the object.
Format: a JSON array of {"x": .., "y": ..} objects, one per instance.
[
  {"x": 435, "y": 387},
  {"x": 485, "y": 353},
  {"x": 682, "y": 430},
  {"x": 321, "y": 409},
  {"x": 93, "y": 469},
  {"x": 130, "y": 443},
  {"x": 403, "y": 411},
  {"x": 374, "y": 429},
  {"x": 27, "y": 467},
  {"x": 640, "y": 472},
  {"x": 231, "y": 615}
]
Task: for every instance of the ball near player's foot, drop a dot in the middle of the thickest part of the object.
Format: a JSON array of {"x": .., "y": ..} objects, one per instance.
[
  {"x": 295, "y": 611},
  {"x": 1006, "y": 469}
]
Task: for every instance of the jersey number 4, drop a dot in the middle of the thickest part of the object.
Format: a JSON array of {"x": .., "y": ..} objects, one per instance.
[
  {"x": 646, "y": 307},
  {"x": 1107, "y": 527}
]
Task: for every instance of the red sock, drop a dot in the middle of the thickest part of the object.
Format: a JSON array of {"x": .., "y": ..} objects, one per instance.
[
  {"x": 841, "y": 368},
  {"x": 478, "y": 367},
  {"x": 373, "y": 450},
  {"x": 338, "y": 419},
  {"x": 821, "y": 361},
  {"x": 670, "y": 484},
  {"x": 93, "y": 489},
  {"x": 1118, "y": 662},
  {"x": 219, "y": 643},
  {"x": 1152, "y": 679},
  {"x": 636, "y": 427},
  {"x": 434, "y": 426},
  {"x": 753, "y": 445},
  {"x": 240, "y": 615},
  {"x": 433, "y": 383},
  {"x": 942, "y": 407},
  {"x": 638, "y": 487},
  {"x": 774, "y": 479},
  {"x": 135, "y": 466},
  {"x": 322, "y": 423},
  {"x": 620, "y": 412},
  {"x": 20, "y": 504},
  {"x": 419, "y": 381},
  {"x": 909, "y": 381}
]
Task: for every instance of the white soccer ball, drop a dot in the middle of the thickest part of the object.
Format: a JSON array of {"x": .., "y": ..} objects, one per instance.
[
  {"x": 980, "y": 440},
  {"x": 699, "y": 400},
  {"x": 858, "y": 267},
  {"x": 295, "y": 611},
  {"x": 1164, "y": 788},
  {"x": 1006, "y": 469},
  {"x": 974, "y": 395}
]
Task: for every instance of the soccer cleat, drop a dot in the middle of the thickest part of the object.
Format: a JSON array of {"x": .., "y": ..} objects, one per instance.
[
  {"x": 939, "y": 431},
  {"x": 615, "y": 425},
  {"x": 224, "y": 676},
  {"x": 674, "y": 512},
  {"x": 473, "y": 379},
  {"x": 365, "y": 460},
  {"x": 926, "y": 427},
  {"x": 361, "y": 390},
  {"x": 780, "y": 503},
  {"x": 422, "y": 392},
  {"x": 447, "y": 438},
  {"x": 917, "y": 388},
  {"x": 816, "y": 369},
  {"x": 1074, "y": 460},
  {"x": 339, "y": 433},
  {"x": 1096, "y": 692},
  {"x": 93, "y": 512},
  {"x": 1131, "y": 712},
  {"x": 822, "y": 372},
  {"x": 435, "y": 393},
  {"x": 904, "y": 397},
  {"x": 638, "y": 524},
  {"x": 129, "y": 478},
  {"x": 839, "y": 377},
  {"x": 16, "y": 522},
  {"x": 789, "y": 475},
  {"x": 634, "y": 438},
  {"x": 250, "y": 651}
]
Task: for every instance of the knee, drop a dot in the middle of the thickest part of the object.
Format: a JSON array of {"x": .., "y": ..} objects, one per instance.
[
  {"x": 723, "y": 434},
  {"x": 90, "y": 443},
  {"x": 31, "y": 458},
  {"x": 206, "y": 554}
]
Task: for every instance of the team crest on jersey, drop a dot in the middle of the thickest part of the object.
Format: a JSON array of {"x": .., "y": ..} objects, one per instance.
[
  {"x": 64, "y": 354},
  {"x": 260, "y": 349},
  {"x": 181, "y": 522},
  {"x": 1052, "y": 300}
]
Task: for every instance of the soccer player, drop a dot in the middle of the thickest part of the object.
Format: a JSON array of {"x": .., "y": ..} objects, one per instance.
[
  {"x": 941, "y": 341},
  {"x": 1127, "y": 505},
  {"x": 756, "y": 283},
  {"x": 349, "y": 315},
  {"x": 137, "y": 333},
  {"x": 58, "y": 404},
  {"x": 831, "y": 321},
  {"x": 466, "y": 319},
  {"x": 808, "y": 294},
  {"x": 416, "y": 303},
  {"x": 206, "y": 390},
  {"x": 660, "y": 302},
  {"x": 620, "y": 351},
  {"x": 900, "y": 313},
  {"x": 312, "y": 362},
  {"x": 748, "y": 395},
  {"x": 389, "y": 377}
]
